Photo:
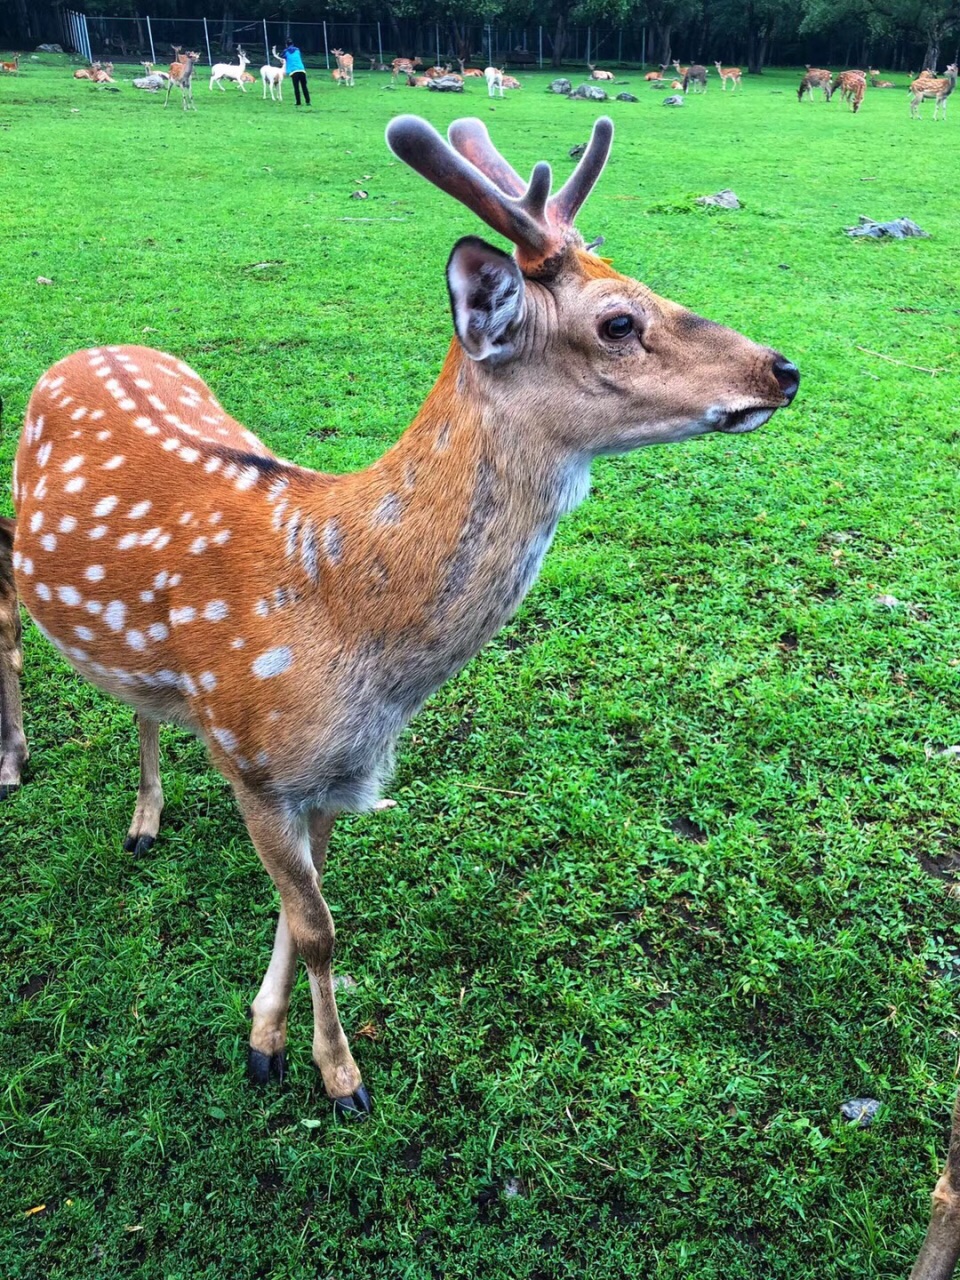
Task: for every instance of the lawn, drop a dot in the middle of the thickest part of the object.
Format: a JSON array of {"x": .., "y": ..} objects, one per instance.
[{"x": 671, "y": 873}]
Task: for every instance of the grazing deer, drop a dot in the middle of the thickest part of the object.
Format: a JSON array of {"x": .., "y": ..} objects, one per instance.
[
  {"x": 296, "y": 621},
  {"x": 845, "y": 81},
  {"x": 600, "y": 75},
  {"x": 11, "y": 68},
  {"x": 696, "y": 75},
  {"x": 733, "y": 74},
  {"x": 937, "y": 90},
  {"x": 876, "y": 82},
  {"x": 344, "y": 65},
  {"x": 815, "y": 78},
  {"x": 228, "y": 71},
  {"x": 184, "y": 81},
  {"x": 272, "y": 76},
  {"x": 404, "y": 66},
  {"x": 494, "y": 79}
]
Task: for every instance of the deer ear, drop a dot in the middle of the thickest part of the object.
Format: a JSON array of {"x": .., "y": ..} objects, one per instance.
[{"x": 486, "y": 297}]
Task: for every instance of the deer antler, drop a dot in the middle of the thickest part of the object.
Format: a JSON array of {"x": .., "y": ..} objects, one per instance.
[{"x": 473, "y": 172}]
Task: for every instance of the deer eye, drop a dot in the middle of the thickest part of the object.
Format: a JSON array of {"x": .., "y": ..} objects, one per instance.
[{"x": 617, "y": 327}]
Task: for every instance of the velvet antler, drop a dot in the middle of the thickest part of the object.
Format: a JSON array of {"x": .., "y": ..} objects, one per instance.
[{"x": 470, "y": 169}]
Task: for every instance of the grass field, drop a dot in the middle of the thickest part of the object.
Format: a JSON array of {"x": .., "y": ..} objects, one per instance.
[{"x": 669, "y": 878}]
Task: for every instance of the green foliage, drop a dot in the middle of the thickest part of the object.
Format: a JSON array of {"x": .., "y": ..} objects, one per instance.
[{"x": 662, "y": 889}]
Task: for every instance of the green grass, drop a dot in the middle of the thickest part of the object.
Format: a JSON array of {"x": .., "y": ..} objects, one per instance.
[{"x": 657, "y": 897}]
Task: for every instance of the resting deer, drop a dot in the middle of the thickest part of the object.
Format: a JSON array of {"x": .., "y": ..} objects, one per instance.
[
  {"x": 230, "y": 71},
  {"x": 600, "y": 75},
  {"x": 656, "y": 75},
  {"x": 815, "y": 78},
  {"x": 87, "y": 73},
  {"x": 104, "y": 74},
  {"x": 296, "y": 621},
  {"x": 733, "y": 74},
  {"x": 344, "y": 65},
  {"x": 184, "y": 81},
  {"x": 696, "y": 75},
  {"x": 11, "y": 68},
  {"x": 876, "y": 82},
  {"x": 494, "y": 79},
  {"x": 272, "y": 76},
  {"x": 931, "y": 88}
]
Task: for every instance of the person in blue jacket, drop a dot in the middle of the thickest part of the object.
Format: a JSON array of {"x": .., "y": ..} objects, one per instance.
[{"x": 296, "y": 71}]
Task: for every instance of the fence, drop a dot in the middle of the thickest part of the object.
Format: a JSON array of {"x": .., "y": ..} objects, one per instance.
[{"x": 139, "y": 37}]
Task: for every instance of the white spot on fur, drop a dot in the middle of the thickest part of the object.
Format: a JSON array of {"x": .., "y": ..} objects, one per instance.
[
  {"x": 49, "y": 542},
  {"x": 98, "y": 531},
  {"x": 36, "y": 521},
  {"x": 74, "y": 485},
  {"x": 216, "y": 610},
  {"x": 67, "y": 524},
  {"x": 112, "y": 463},
  {"x": 94, "y": 573},
  {"x": 208, "y": 681},
  {"x": 43, "y": 591},
  {"x": 140, "y": 510},
  {"x": 69, "y": 595},
  {"x": 105, "y": 505},
  {"x": 272, "y": 663},
  {"x": 158, "y": 631},
  {"x": 179, "y": 616},
  {"x": 115, "y": 615}
]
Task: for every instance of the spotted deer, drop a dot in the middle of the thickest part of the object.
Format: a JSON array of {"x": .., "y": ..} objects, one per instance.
[
  {"x": 852, "y": 86},
  {"x": 344, "y": 66},
  {"x": 733, "y": 74},
  {"x": 184, "y": 81},
  {"x": 934, "y": 89},
  {"x": 404, "y": 66},
  {"x": 295, "y": 621},
  {"x": 815, "y": 78}
]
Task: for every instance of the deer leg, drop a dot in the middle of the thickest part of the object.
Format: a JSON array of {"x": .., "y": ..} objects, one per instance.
[
  {"x": 941, "y": 1246},
  {"x": 146, "y": 815},
  {"x": 293, "y": 852},
  {"x": 13, "y": 744}
]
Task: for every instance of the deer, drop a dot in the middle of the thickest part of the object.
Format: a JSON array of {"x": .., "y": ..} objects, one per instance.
[
  {"x": 733, "y": 74},
  {"x": 510, "y": 82},
  {"x": 104, "y": 74},
  {"x": 272, "y": 76},
  {"x": 229, "y": 71},
  {"x": 930, "y": 87},
  {"x": 344, "y": 65},
  {"x": 876, "y": 82},
  {"x": 184, "y": 81},
  {"x": 468, "y": 73},
  {"x": 852, "y": 86},
  {"x": 436, "y": 72},
  {"x": 87, "y": 73},
  {"x": 596, "y": 74},
  {"x": 695, "y": 75},
  {"x": 815, "y": 78},
  {"x": 681, "y": 71},
  {"x": 296, "y": 621},
  {"x": 656, "y": 75},
  {"x": 404, "y": 66},
  {"x": 11, "y": 68},
  {"x": 494, "y": 79}
]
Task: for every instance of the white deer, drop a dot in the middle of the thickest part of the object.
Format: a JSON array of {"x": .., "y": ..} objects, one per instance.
[
  {"x": 272, "y": 76},
  {"x": 228, "y": 71},
  {"x": 494, "y": 79}
]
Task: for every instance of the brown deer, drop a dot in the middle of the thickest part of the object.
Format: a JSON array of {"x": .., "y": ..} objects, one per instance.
[
  {"x": 695, "y": 75},
  {"x": 11, "y": 68},
  {"x": 87, "y": 73},
  {"x": 596, "y": 74},
  {"x": 296, "y": 621},
  {"x": 104, "y": 74},
  {"x": 681, "y": 71},
  {"x": 656, "y": 75},
  {"x": 936, "y": 90},
  {"x": 404, "y": 66},
  {"x": 344, "y": 66},
  {"x": 733, "y": 74},
  {"x": 847, "y": 82},
  {"x": 815, "y": 78},
  {"x": 184, "y": 81}
]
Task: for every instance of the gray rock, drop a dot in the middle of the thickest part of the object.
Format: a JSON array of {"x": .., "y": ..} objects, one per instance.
[
  {"x": 725, "y": 199},
  {"x": 49, "y": 48},
  {"x": 590, "y": 92},
  {"x": 899, "y": 229},
  {"x": 446, "y": 84},
  {"x": 576, "y": 152},
  {"x": 674, "y": 101},
  {"x": 559, "y": 86},
  {"x": 860, "y": 1111},
  {"x": 151, "y": 83},
  {"x": 626, "y": 97}
]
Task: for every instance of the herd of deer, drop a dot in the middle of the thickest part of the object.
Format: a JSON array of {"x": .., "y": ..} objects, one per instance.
[
  {"x": 853, "y": 85},
  {"x": 693, "y": 76}
]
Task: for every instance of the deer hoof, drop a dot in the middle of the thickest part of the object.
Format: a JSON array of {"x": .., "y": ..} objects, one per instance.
[
  {"x": 7, "y": 789},
  {"x": 138, "y": 845},
  {"x": 354, "y": 1106},
  {"x": 262, "y": 1066}
]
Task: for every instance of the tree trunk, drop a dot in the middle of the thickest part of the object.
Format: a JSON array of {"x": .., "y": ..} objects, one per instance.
[
  {"x": 664, "y": 51},
  {"x": 226, "y": 31},
  {"x": 932, "y": 57},
  {"x": 559, "y": 40}
]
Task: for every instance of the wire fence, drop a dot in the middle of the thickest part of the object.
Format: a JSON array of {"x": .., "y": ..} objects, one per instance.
[{"x": 142, "y": 36}]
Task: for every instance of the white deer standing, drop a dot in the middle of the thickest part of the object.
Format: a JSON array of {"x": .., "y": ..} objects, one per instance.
[
  {"x": 272, "y": 76},
  {"x": 494, "y": 79},
  {"x": 229, "y": 71},
  {"x": 296, "y": 621}
]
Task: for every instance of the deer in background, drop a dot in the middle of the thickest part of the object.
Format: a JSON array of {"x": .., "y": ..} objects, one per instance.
[
  {"x": 184, "y": 82},
  {"x": 876, "y": 82},
  {"x": 696, "y": 75},
  {"x": 815, "y": 78},
  {"x": 656, "y": 75},
  {"x": 852, "y": 86},
  {"x": 11, "y": 68},
  {"x": 104, "y": 74},
  {"x": 87, "y": 73},
  {"x": 931, "y": 88},
  {"x": 404, "y": 66},
  {"x": 344, "y": 65},
  {"x": 229, "y": 71},
  {"x": 681, "y": 71},
  {"x": 733, "y": 74},
  {"x": 296, "y": 621},
  {"x": 494, "y": 79},
  {"x": 272, "y": 76},
  {"x": 600, "y": 75}
]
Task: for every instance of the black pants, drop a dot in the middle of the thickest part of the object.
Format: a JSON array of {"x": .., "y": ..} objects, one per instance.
[{"x": 299, "y": 79}]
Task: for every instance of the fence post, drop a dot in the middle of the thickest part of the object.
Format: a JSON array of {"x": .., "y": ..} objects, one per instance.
[
  {"x": 540, "y": 31},
  {"x": 206, "y": 36},
  {"x": 266, "y": 46},
  {"x": 153, "y": 52},
  {"x": 326, "y": 51},
  {"x": 643, "y": 50},
  {"x": 86, "y": 37},
  {"x": 379, "y": 44},
  {"x": 436, "y": 36},
  {"x": 620, "y": 47},
  {"x": 589, "y": 33}
]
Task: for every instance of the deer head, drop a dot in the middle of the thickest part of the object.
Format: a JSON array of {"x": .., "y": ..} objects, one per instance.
[{"x": 596, "y": 359}]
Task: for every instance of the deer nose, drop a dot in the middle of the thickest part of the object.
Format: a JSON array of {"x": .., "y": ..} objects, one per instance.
[{"x": 787, "y": 375}]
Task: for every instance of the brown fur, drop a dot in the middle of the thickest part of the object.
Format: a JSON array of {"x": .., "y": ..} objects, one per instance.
[{"x": 937, "y": 90}]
